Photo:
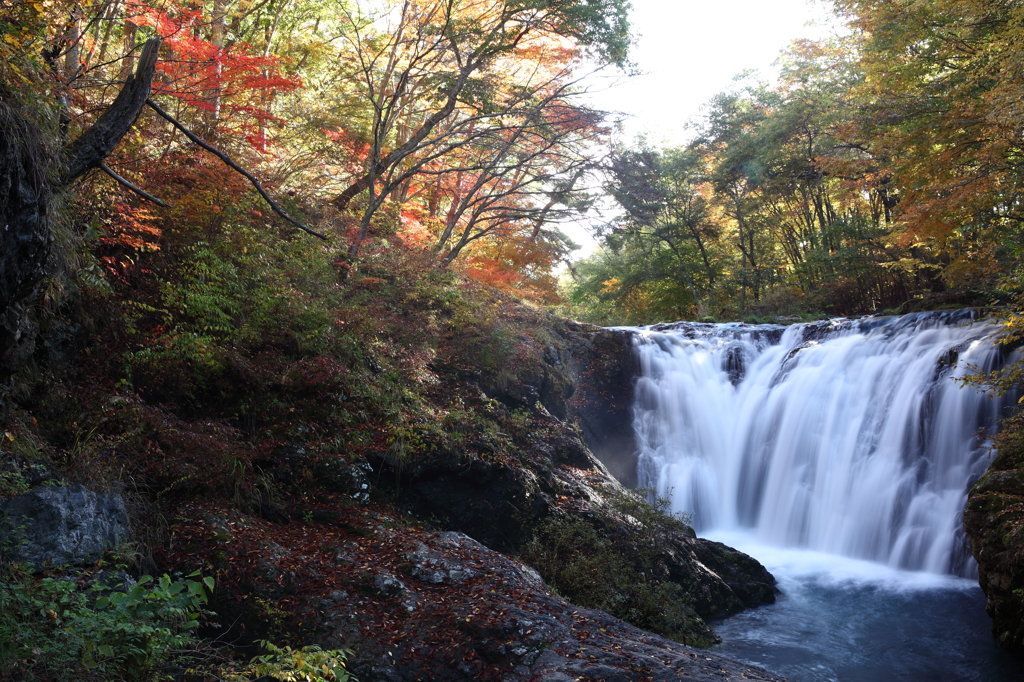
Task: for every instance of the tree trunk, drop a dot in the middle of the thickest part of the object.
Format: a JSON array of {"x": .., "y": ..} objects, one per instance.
[
  {"x": 96, "y": 143},
  {"x": 25, "y": 201}
]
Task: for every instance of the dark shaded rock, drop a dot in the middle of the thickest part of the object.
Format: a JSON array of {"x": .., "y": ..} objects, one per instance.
[
  {"x": 545, "y": 383},
  {"x": 492, "y": 501},
  {"x": 720, "y": 580},
  {"x": 18, "y": 334},
  {"x": 993, "y": 521},
  {"x": 24, "y": 232},
  {"x": 502, "y": 505},
  {"x": 736, "y": 365},
  {"x": 415, "y": 605},
  {"x": 293, "y": 464},
  {"x": 339, "y": 475},
  {"x": 58, "y": 526},
  {"x": 270, "y": 511},
  {"x": 746, "y": 578},
  {"x": 605, "y": 369}
]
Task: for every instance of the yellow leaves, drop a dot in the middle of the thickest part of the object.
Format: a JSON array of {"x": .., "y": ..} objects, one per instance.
[{"x": 611, "y": 285}]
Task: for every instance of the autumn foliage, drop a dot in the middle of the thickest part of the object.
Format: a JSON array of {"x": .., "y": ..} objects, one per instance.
[{"x": 879, "y": 173}]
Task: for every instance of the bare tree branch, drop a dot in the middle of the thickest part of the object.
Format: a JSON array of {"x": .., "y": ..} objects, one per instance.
[
  {"x": 233, "y": 166},
  {"x": 138, "y": 190}
]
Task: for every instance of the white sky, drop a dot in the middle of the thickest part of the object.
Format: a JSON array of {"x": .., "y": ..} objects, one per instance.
[{"x": 690, "y": 50}]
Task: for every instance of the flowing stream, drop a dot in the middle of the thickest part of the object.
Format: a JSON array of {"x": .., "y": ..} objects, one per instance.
[{"x": 840, "y": 455}]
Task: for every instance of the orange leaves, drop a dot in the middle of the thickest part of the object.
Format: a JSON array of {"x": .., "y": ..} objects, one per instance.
[
  {"x": 941, "y": 95},
  {"x": 492, "y": 272},
  {"x": 514, "y": 266},
  {"x": 131, "y": 227}
]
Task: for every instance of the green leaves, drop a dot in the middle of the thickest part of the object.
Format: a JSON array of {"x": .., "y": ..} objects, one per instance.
[
  {"x": 600, "y": 25},
  {"x": 308, "y": 664},
  {"x": 58, "y": 629}
]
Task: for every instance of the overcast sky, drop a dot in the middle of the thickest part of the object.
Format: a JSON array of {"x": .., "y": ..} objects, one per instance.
[{"x": 689, "y": 50}]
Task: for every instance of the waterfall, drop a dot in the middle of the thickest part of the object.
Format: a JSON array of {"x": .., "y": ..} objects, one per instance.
[{"x": 848, "y": 437}]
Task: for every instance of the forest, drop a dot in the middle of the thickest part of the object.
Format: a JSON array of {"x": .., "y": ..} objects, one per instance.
[
  {"x": 250, "y": 244},
  {"x": 879, "y": 174}
]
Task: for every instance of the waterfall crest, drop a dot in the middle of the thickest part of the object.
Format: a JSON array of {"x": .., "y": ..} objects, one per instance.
[{"x": 850, "y": 437}]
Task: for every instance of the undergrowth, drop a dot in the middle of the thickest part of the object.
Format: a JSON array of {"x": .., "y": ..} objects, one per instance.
[
  {"x": 82, "y": 627},
  {"x": 622, "y": 574}
]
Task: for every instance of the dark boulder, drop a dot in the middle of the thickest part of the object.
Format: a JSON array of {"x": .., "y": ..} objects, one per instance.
[
  {"x": 750, "y": 584},
  {"x": 493, "y": 501}
]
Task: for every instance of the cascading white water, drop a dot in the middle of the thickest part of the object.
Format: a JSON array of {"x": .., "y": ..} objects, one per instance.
[{"x": 846, "y": 437}]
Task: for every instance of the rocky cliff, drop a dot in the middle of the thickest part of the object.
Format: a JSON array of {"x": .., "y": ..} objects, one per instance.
[
  {"x": 24, "y": 232},
  {"x": 994, "y": 521}
]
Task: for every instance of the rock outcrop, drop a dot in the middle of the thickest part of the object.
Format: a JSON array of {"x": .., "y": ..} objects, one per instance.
[
  {"x": 24, "y": 232},
  {"x": 604, "y": 370},
  {"x": 415, "y": 605},
  {"x": 501, "y": 502},
  {"x": 52, "y": 527},
  {"x": 994, "y": 521}
]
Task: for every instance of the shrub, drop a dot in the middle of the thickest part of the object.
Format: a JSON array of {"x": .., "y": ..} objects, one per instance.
[
  {"x": 308, "y": 664},
  {"x": 53, "y": 629}
]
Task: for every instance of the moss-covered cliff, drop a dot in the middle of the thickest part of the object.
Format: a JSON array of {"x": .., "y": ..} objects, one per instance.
[{"x": 994, "y": 521}]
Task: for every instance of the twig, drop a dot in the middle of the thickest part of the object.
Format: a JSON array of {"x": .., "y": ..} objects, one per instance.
[
  {"x": 233, "y": 166},
  {"x": 138, "y": 190}
]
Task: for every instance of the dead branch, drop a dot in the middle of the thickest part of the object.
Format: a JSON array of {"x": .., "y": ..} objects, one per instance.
[
  {"x": 233, "y": 166},
  {"x": 96, "y": 143},
  {"x": 138, "y": 190}
]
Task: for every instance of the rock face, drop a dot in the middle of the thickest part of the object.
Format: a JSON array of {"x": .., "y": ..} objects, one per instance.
[
  {"x": 502, "y": 503},
  {"x": 502, "y": 499},
  {"x": 24, "y": 232},
  {"x": 605, "y": 369},
  {"x": 416, "y": 605},
  {"x": 994, "y": 521},
  {"x": 57, "y": 526},
  {"x": 496, "y": 501},
  {"x": 750, "y": 583}
]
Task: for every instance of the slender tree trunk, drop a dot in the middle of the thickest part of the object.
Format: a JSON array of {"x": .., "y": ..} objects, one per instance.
[
  {"x": 73, "y": 58},
  {"x": 218, "y": 30},
  {"x": 128, "y": 64},
  {"x": 108, "y": 26}
]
